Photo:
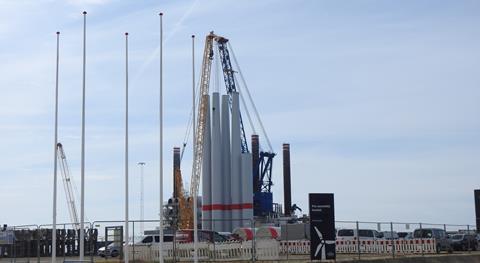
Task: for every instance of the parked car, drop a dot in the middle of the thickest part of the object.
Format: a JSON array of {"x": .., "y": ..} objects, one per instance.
[
  {"x": 464, "y": 242},
  {"x": 230, "y": 236},
  {"x": 351, "y": 234},
  {"x": 389, "y": 235},
  {"x": 405, "y": 235},
  {"x": 441, "y": 237},
  {"x": 111, "y": 250},
  {"x": 186, "y": 236},
  {"x": 151, "y": 239}
]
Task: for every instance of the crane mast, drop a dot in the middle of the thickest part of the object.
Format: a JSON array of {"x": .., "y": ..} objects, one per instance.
[
  {"x": 202, "y": 112},
  {"x": 263, "y": 181},
  {"x": 230, "y": 83},
  {"x": 67, "y": 184},
  {"x": 184, "y": 211}
]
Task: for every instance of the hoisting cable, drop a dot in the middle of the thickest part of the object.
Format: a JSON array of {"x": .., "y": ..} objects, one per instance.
[
  {"x": 250, "y": 97},
  {"x": 244, "y": 104},
  {"x": 190, "y": 123}
]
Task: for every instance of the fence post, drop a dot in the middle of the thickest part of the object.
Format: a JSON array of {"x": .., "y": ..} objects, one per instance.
[
  {"x": 14, "y": 246},
  {"x": 288, "y": 243},
  {"x": 468, "y": 233},
  {"x": 38, "y": 244},
  {"x": 214, "y": 247},
  {"x": 393, "y": 240},
  {"x": 29, "y": 241},
  {"x": 174, "y": 244},
  {"x": 254, "y": 251},
  {"x": 421, "y": 238},
  {"x": 92, "y": 225},
  {"x": 358, "y": 240},
  {"x": 64, "y": 235},
  {"x": 133, "y": 240}
]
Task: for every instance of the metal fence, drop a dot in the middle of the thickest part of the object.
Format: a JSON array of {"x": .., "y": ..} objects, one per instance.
[{"x": 104, "y": 240}]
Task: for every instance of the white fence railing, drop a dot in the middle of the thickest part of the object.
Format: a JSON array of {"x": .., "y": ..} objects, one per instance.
[{"x": 273, "y": 249}]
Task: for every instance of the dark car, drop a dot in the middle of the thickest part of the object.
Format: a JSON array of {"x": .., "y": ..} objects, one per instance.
[
  {"x": 112, "y": 250},
  {"x": 464, "y": 242},
  {"x": 440, "y": 236},
  {"x": 405, "y": 235},
  {"x": 186, "y": 236}
]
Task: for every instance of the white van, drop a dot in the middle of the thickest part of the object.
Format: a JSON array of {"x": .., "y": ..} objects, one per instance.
[{"x": 363, "y": 234}]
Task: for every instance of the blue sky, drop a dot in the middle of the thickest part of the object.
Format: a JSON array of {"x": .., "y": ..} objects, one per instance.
[{"x": 378, "y": 99}]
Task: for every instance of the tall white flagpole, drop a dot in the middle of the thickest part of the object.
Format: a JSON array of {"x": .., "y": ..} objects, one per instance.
[
  {"x": 195, "y": 208},
  {"x": 54, "y": 223},
  {"x": 160, "y": 243},
  {"x": 82, "y": 172},
  {"x": 126, "y": 151}
]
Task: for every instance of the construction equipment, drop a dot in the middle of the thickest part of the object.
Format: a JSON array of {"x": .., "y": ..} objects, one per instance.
[
  {"x": 67, "y": 184},
  {"x": 262, "y": 163},
  {"x": 262, "y": 160},
  {"x": 185, "y": 202},
  {"x": 185, "y": 218},
  {"x": 229, "y": 78},
  {"x": 202, "y": 111}
]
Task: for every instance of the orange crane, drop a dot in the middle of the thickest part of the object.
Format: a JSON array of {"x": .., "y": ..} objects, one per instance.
[{"x": 185, "y": 209}]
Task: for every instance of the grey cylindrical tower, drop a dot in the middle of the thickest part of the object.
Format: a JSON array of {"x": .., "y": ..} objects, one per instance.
[
  {"x": 207, "y": 173},
  {"x": 217, "y": 180},
  {"x": 226, "y": 172},
  {"x": 287, "y": 188},
  {"x": 236, "y": 180}
]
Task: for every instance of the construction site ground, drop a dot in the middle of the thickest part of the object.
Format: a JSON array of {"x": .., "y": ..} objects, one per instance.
[{"x": 456, "y": 257}]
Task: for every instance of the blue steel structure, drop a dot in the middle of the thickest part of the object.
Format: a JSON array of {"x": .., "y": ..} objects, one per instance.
[{"x": 262, "y": 180}]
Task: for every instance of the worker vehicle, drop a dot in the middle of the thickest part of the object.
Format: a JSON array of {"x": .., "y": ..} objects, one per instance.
[
  {"x": 404, "y": 235},
  {"x": 186, "y": 236},
  {"x": 440, "y": 236},
  {"x": 363, "y": 234},
  {"x": 111, "y": 250},
  {"x": 389, "y": 235},
  {"x": 151, "y": 239},
  {"x": 463, "y": 242}
]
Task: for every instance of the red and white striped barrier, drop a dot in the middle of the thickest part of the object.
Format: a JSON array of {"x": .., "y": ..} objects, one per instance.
[
  {"x": 413, "y": 246},
  {"x": 271, "y": 249}
]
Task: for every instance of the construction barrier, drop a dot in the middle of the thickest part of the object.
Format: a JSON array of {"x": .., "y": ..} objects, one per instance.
[
  {"x": 265, "y": 249},
  {"x": 295, "y": 247},
  {"x": 412, "y": 246}
]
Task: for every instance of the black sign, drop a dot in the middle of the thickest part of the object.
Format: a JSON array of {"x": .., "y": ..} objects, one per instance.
[
  {"x": 322, "y": 226},
  {"x": 477, "y": 208}
]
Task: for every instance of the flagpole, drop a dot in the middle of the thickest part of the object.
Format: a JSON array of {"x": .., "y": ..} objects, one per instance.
[
  {"x": 82, "y": 187},
  {"x": 54, "y": 223},
  {"x": 160, "y": 243},
  {"x": 126, "y": 150},
  {"x": 195, "y": 202}
]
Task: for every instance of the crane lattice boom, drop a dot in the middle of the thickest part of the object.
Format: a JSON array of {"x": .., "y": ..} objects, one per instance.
[
  {"x": 67, "y": 184},
  {"x": 202, "y": 112}
]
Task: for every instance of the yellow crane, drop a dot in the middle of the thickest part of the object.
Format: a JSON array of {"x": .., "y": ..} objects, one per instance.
[
  {"x": 185, "y": 202},
  {"x": 185, "y": 208}
]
